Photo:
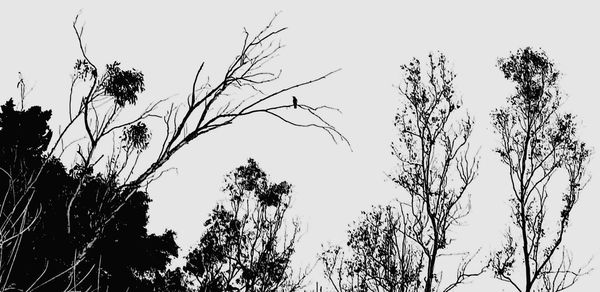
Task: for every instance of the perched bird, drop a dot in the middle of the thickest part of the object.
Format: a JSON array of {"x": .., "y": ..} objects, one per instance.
[
  {"x": 295, "y": 101},
  {"x": 20, "y": 83}
]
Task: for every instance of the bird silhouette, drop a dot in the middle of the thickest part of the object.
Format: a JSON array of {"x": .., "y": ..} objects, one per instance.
[
  {"x": 295, "y": 101},
  {"x": 20, "y": 83}
]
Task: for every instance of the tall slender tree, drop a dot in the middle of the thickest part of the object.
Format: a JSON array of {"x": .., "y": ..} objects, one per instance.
[
  {"x": 537, "y": 142},
  {"x": 435, "y": 167}
]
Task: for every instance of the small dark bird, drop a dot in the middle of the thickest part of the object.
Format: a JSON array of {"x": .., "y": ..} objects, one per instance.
[
  {"x": 20, "y": 83},
  {"x": 295, "y": 101}
]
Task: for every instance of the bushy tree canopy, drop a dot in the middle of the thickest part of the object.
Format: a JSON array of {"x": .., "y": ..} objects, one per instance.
[
  {"x": 126, "y": 256},
  {"x": 247, "y": 246}
]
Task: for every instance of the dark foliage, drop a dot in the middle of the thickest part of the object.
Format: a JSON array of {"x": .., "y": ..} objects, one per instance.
[
  {"x": 136, "y": 136},
  {"x": 123, "y": 85},
  {"x": 23, "y": 133},
  {"x": 246, "y": 246},
  {"x": 126, "y": 256}
]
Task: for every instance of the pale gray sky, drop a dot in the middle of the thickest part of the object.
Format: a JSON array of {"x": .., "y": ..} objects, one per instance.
[{"x": 369, "y": 42}]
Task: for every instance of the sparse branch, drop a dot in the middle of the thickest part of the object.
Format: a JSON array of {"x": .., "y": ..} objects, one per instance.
[{"x": 461, "y": 273}]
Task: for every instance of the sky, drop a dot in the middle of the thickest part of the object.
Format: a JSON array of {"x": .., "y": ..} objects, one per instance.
[{"x": 369, "y": 42}]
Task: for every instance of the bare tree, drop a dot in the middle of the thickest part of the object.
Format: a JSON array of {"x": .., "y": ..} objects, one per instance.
[
  {"x": 435, "y": 168},
  {"x": 536, "y": 142},
  {"x": 380, "y": 256},
  {"x": 209, "y": 106}
]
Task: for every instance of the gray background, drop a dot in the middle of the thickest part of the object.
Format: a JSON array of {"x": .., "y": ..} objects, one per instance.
[{"x": 369, "y": 42}]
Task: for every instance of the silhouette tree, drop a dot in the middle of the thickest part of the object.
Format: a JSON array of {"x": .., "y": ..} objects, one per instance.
[
  {"x": 20, "y": 155},
  {"x": 41, "y": 248},
  {"x": 432, "y": 153},
  {"x": 380, "y": 256},
  {"x": 209, "y": 107},
  {"x": 247, "y": 246},
  {"x": 537, "y": 141}
]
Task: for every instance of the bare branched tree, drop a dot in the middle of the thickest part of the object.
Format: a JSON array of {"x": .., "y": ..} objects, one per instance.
[
  {"x": 435, "y": 168},
  {"x": 209, "y": 106},
  {"x": 536, "y": 142},
  {"x": 380, "y": 256}
]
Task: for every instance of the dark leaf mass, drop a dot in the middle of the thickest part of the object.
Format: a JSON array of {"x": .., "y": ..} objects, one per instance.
[{"x": 123, "y": 85}]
